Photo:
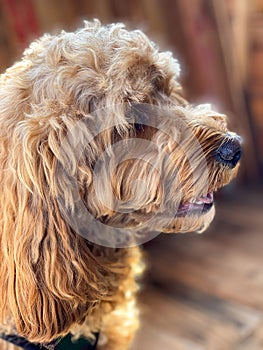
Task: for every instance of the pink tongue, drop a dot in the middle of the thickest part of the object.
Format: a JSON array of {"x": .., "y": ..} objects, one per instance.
[{"x": 207, "y": 199}]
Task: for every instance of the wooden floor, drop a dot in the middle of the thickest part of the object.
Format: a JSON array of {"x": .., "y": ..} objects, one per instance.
[{"x": 205, "y": 292}]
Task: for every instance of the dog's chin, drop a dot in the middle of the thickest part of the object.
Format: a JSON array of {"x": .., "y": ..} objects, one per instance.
[{"x": 196, "y": 219}]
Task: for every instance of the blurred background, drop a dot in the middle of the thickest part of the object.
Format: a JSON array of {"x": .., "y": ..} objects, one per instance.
[{"x": 201, "y": 291}]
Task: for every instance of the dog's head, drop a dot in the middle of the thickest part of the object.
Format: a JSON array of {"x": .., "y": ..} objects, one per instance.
[{"x": 96, "y": 139}]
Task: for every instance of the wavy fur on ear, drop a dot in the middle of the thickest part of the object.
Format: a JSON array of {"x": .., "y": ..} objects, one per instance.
[
  {"x": 51, "y": 278},
  {"x": 46, "y": 270}
]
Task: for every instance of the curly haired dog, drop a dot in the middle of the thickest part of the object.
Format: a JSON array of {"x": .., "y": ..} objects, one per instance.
[{"x": 98, "y": 150}]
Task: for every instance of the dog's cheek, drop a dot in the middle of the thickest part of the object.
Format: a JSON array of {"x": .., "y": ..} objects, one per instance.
[{"x": 138, "y": 186}]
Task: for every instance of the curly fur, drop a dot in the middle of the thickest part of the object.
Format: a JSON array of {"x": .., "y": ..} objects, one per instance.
[{"x": 54, "y": 281}]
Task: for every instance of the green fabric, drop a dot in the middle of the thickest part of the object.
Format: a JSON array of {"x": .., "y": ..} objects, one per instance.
[
  {"x": 60, "y": 344},
  {"x": 80, "y": 344}
]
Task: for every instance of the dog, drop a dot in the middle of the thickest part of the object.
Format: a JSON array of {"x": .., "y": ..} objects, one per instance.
[{"x": 99, "y": 153}]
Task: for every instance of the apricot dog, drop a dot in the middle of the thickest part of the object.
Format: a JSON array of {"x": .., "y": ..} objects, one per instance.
[{"x": 99, "y": 153}]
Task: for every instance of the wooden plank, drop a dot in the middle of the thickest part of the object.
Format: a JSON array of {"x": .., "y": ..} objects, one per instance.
[
  {"x": 204, "y": 265},
  {"x": 9, "y": 48},
  {"x": 254, "y": 342},
  {"x": 204, "y": 52},
  {"x": 153, "y": 12},
  {"x": 55, "y": 15},
  {"x": 153, "y": 338},
  {"x": 186, "y": 319},
  {"x": 103, "y": 10}
]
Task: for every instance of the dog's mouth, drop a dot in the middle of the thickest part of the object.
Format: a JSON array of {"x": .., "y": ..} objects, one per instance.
[{"x": 196, "y": 206}]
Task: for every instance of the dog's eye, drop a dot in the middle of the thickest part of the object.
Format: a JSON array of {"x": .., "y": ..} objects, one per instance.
[{"x": 138, "y": 127}]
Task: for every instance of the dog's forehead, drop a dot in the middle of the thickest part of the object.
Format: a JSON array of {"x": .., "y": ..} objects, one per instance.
[
  {"x": 207, "y": 115},
  {"x": 107, "y": 59}
]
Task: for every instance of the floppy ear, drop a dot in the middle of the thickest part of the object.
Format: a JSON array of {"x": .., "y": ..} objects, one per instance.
[{"x": 49, "y": 277}]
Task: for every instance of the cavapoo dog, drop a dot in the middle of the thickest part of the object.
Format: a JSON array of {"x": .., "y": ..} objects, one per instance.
[{"x": 99, "y": 152}]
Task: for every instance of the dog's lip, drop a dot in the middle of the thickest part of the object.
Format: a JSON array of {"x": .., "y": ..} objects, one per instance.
[{"x": 197, "y": 206}]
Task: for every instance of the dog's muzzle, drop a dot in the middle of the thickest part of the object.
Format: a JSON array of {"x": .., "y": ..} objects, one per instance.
[{"x": 229, "y": 153}]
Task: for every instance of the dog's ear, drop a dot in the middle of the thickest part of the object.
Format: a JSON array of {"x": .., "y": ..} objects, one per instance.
[
  {"x": 147, "y": 78},
  {"x": 49, "y": 277}
]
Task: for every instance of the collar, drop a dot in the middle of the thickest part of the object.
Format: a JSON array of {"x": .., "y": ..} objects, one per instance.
[{"x": 64, "y": 343}]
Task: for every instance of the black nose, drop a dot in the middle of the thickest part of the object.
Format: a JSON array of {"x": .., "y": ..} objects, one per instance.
[{"x": 229, "y": 152}]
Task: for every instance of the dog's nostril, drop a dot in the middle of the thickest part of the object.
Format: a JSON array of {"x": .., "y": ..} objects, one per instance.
[{"x": 229, "y": 153}]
